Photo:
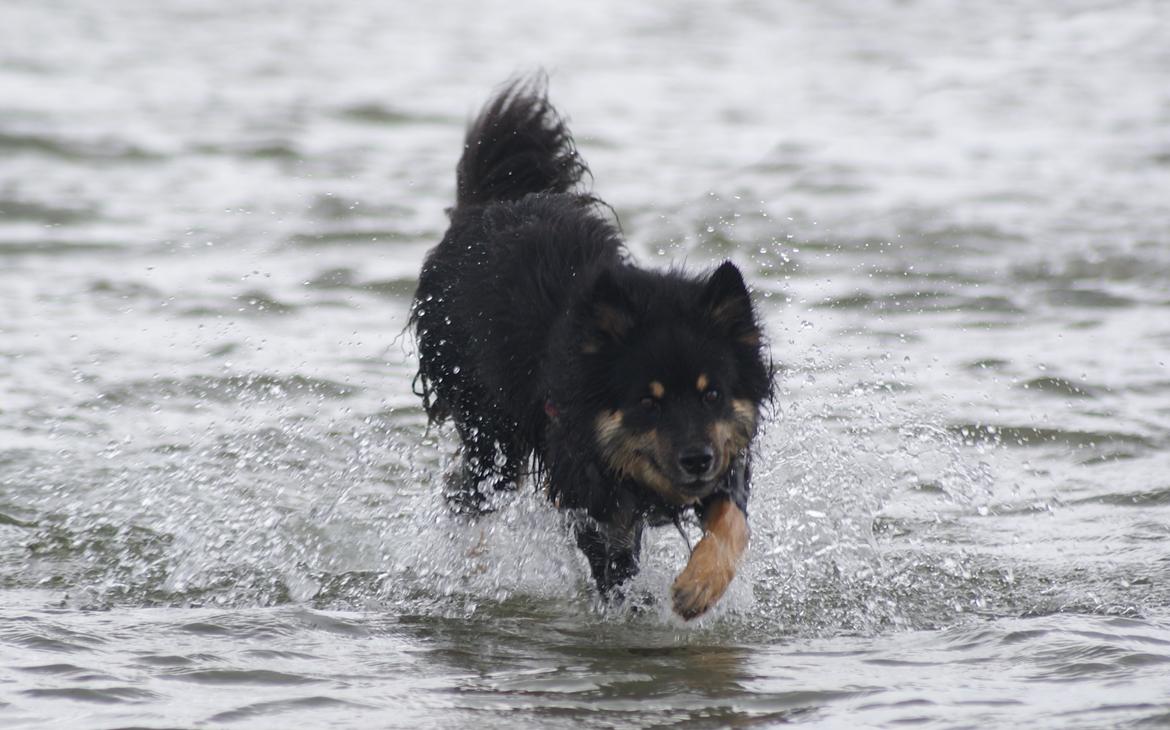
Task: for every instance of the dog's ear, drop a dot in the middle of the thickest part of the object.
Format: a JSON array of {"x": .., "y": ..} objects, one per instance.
[
  {"x": 728, "y": 305},
  {"x": 610, "y": 312}
]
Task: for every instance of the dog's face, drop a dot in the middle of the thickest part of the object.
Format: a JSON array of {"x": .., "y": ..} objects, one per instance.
[{"x": 681, "y": 377}]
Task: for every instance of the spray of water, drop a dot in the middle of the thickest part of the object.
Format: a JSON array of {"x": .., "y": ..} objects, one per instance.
[{"x": 345, "y": 512}]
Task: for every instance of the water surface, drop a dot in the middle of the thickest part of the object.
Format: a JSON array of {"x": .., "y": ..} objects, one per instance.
[{"x": 218, "y": 495}]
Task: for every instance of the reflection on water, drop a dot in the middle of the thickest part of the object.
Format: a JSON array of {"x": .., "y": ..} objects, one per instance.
[{"x": 217, "y": 491}]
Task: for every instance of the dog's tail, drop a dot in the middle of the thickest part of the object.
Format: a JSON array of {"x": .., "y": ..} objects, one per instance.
[{"x": 518, "y": 145}]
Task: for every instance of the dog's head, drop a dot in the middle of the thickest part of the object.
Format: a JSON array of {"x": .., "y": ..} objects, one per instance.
[{"x": 677, "y": 374}]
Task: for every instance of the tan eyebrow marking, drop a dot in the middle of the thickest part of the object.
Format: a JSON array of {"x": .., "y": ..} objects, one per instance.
[
  {"x": 702, "y": 382},
  {"x": 657, "y": 389}
]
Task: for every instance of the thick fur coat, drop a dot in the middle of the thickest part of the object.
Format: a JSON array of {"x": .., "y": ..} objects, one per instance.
[{"x": 629, "y": 395}]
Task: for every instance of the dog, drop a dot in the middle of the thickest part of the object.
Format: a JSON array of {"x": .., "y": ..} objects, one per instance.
[{"x": 631, "y": 395}]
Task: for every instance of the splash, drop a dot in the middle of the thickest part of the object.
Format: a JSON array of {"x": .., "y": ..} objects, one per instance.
[{"x": 348, "y": 513}]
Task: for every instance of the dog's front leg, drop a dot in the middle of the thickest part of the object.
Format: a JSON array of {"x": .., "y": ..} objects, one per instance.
[
  {"x": 714, "y": 560},
  {"x": 612, "y": 550}
]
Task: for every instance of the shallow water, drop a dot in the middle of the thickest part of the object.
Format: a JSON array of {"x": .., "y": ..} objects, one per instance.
[{"x": 218, "y": 496}]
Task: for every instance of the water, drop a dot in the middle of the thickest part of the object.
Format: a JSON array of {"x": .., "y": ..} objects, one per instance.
[{"x": 218, "y": 497}]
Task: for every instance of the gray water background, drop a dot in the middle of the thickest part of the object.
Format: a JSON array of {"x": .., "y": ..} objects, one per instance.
[{"x": 217, "y": 493}]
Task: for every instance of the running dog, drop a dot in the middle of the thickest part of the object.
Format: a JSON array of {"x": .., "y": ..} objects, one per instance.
[{"x": 630, "y": 395}]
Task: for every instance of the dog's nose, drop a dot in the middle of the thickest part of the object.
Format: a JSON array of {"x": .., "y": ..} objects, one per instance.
[{"x": 696, "y": 460}]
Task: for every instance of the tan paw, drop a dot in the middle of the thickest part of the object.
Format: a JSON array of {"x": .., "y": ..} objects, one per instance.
[
  {"x": 703, "y": 581},
  {"x": 713, "y": 563}
]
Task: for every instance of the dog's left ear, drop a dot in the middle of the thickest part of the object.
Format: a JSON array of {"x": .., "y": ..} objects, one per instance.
[
  {"x": 610, "y": 314},
  {"x": 728, "y": 305}
]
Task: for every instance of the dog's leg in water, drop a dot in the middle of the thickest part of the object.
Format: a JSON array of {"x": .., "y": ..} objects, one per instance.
[
  {"x": 714, "y": 560},
  {"x": 612, "y": 550},
  {"x": 463, "y": 492},
  {"x": 469, "y": 485}
]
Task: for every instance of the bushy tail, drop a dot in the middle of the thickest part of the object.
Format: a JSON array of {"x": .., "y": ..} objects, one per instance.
[{"x": 518, "y": 145}]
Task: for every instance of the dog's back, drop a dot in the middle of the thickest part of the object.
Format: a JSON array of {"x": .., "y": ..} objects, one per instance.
[{"x": 522, "y": 237}]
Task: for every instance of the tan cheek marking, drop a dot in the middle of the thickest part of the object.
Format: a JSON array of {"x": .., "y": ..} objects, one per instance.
[
  {"x": 702, "y": 383},
  {"x": 657, "y": 389},
  {"x": 733, "y": 435},
  {"x": 646, "y": 474},
  {"x": 721, "y": 434},
  {"x": 751, "y": 338},
  {"x": 714, "y": 561},
  {"x": 608, "y": 426},
  {"x": 639, "y": 467},
  {"x": 612, "y": 321},
  {"x": 745, "y": 414},
  {"x": 625, "y": 453}
]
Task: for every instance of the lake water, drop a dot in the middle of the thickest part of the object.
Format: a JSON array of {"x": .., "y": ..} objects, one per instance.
[{"x": 218, "y": 497}]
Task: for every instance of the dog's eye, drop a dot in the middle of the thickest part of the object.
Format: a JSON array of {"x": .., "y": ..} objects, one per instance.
[
  {"x": 711, "y": 396},
  {"x": 650, "y": 405}
]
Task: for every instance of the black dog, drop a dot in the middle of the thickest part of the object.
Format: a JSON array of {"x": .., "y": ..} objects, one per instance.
[{"x": 632, "y": 395}]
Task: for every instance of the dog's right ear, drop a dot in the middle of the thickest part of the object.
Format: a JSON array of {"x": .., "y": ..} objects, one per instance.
[
  {"x": 610, "y": 312},
  {"x": 728, "y": 305}
]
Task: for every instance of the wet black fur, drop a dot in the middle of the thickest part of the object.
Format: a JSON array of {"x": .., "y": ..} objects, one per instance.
[{"x": 531, "y": 322}]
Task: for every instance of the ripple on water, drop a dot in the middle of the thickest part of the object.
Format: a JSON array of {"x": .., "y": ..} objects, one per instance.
[
  {"x": 1142, "y": 498},
  {"x": 349, "y": 235},
  {"x": 125, "y": 289},
  {"x": 943, "y": 190},
  {"x": 101, "y": 695},
  {"x": 252, "y": 303},
  {"x": 106, "y": 150},
  {"x": 1146, "y": 262},
  {"x": 19, "y": 209},
  {"x": 234, "y": 677},
  {"x": 328, "y": 206},
  {"x": 385, "y": 115},
  {"x": 53, "y": 639},
  {"x": 221, "y": 388},
  {"x": 346, "y": 279},
  {"x": 278, "y": 707},
  {"x": 65, "y": 670},
  {"x": 276, "y": 149},
  {"x": 1025, "y": 436},
  {"x": 56, "y": 247},
  {"x": 919, "y": 301},
  {"x": 165, "y": 660},
  {"x": 1088, "y": 298},
  {"x": 1065, "y": 387}
]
